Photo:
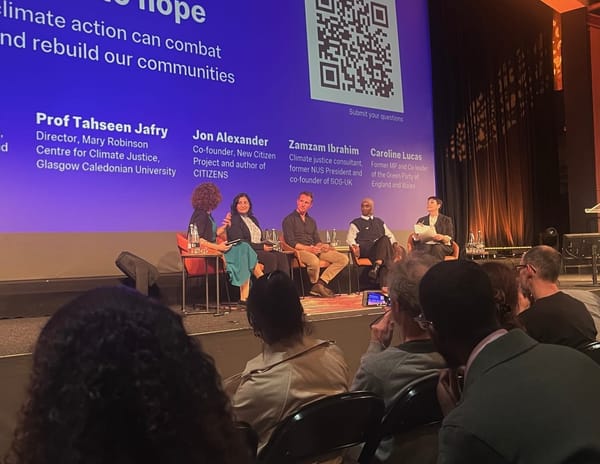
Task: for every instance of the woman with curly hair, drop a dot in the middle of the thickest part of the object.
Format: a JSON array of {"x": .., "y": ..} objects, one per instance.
[
  {"x": 241, "y": 259},
  {"x": 245, "y": 226},
  {"x": 116, "y": 379}
]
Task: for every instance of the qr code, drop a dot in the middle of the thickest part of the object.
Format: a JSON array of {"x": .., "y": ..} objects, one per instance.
[{"x": 353, "y": 53}]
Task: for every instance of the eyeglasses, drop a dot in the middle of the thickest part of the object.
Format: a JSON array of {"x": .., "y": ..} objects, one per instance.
[
  {"x": 518, "y": 267},
  {"x": 423, "y": 323}
]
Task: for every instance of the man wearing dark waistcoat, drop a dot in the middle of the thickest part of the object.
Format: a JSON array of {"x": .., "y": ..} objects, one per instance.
[{"x": 370, "y": 238}]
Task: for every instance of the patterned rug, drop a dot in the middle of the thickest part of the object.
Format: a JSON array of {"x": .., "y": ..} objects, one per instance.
[{"x": 338, "y": 304}]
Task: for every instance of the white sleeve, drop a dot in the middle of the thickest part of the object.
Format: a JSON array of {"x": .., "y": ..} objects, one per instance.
[
  {"x": 352, "y": 233},
  {"x": 389, "y": 234}
]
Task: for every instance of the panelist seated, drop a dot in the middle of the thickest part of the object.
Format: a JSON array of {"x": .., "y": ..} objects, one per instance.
[
  {"x": 300, "y": 232},
  {"x": 245, "y": 226},
  {"x": 436, "y": 241},
  {"x": 241, "y": 259},
  {"x": 371, "y": 238}
]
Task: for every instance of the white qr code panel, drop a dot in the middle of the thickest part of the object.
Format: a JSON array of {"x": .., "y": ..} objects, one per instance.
[{"x": 353, "y": 53}]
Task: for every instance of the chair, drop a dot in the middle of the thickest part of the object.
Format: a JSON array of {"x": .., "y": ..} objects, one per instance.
[
  {"x": 249, "y": 437},
  {"x": 323, "y": 429},
  {"x": 416, "y": 407},
  {"x": 201, "y": 265},
  {"x": 359, "y": 262},
  {"x": 296, "y": 262},
  {"x": 592, "y": 349},
  {"x": 455, "y": 248}
]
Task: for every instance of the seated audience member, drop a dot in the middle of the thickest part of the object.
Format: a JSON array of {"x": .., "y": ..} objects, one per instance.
[
  {"x": 300, "y": 232},
  {"x": 116, "y": 379},
  {"x": 512, "y": 408},
  {"x": 241, "y": 259},
  {"x": 293, "y": 368},
  {"x": 387, "y": 370},
  {"x": 592, "y": 303},
  {"x": 554, "y": 317},
  {"x": 440, "y": 243},
  {"x": 244, "y": 226},
  {"x": 370, "y": 238},
  {"x": 506, "y": 292}
]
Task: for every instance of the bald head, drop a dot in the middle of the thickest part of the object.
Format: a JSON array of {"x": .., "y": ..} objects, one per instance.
[
  {"x": 367, "y": 205},
  {"x": 545, "y": 260}
]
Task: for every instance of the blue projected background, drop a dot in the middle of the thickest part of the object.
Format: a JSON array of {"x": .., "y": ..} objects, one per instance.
[{"x": 114, "y": 110}]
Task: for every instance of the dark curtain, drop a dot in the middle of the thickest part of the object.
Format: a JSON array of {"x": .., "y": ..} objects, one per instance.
[{"x": 495, "y": 143}]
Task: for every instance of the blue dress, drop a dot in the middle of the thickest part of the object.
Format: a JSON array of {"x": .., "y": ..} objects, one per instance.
[{"x": 241, "y": 258}]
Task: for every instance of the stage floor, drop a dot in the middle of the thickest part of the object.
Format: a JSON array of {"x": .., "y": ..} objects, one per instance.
[{"x": 18, "y": 335}]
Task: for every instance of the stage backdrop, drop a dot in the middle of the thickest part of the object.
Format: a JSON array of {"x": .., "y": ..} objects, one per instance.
[{"x": 114, "y": 110}]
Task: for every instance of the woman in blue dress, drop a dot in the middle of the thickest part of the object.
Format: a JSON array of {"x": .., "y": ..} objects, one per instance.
[{"x": 241, "y": 259}]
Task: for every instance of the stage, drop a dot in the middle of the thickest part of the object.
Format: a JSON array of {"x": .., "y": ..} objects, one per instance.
[{"x": 18, "y": 335}]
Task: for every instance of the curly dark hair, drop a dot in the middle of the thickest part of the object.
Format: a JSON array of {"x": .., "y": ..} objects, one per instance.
[
  {"x": 506, "y": 290},
  {"x": 116, "y": 379},
  {"x": 206, "y": 197},
  {"x": 274, "y": 310},
  {"x": 234, "y": 203}
]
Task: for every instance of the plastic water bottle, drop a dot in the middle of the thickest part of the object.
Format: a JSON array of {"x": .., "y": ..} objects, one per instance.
[
  {"x": 471, "y": 243},
  {"x": 480, "y": 243},
  {"x": 190, "y": 237},
  {"x": 196, "y": 239}
]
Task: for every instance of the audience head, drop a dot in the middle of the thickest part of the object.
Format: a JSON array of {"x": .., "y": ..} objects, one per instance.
[
  {"x": 274, "y": 309},
  {"x": 241, "y": 204},
  {"x": 206, "y": 197},
  {"x": 116, "y": 379},
  {"x": 458, "y": 300},
  {"x": 506, "y": 292},
  {"x": 404, "y": 287},
  {"x": 541, "y": 262}
]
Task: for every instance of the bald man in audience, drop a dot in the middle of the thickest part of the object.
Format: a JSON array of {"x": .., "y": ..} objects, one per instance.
[
  {"x": 554, "y": 316},
  {"x": 522, "y": 402}
]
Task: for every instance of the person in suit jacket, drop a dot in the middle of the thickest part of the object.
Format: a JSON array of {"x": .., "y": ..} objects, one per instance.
[
  {"x": 511, "y": 409},
  {"x": 245, "y": 226},
  {"x": 440, "y": 245}
]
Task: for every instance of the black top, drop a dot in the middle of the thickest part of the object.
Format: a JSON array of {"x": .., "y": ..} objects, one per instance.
[
  {"x": 559, "y": 319},
  {"x": 205, "y": 224},
  {"x": 295, "y": 230},
  {"x": 239, "y": 229},
  {"x": 443, "y": 225}
]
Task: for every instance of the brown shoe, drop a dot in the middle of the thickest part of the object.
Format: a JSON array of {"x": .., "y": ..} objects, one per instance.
[{"x": 321, "y": 290}]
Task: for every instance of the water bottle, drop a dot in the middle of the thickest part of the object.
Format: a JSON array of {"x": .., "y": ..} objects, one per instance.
[
  {"x": 275, "y": 240},
  {"x": 196, "y": 239},
  {"x": 471, "y": 243},
  {"x": 190, "y": 237},
  {"x": 480, "y": 243},
  {"x": 333, "y": 238}
]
